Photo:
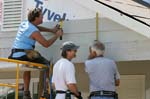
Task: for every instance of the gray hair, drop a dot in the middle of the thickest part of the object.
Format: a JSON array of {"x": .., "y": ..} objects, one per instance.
[{"x": 98, "y": 47}]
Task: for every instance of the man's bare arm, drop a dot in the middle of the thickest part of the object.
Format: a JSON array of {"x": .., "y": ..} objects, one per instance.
[{"x": 73, "y": 89}]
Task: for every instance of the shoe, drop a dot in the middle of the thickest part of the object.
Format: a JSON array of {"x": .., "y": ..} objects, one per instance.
[{"x": 27, "y": 95}]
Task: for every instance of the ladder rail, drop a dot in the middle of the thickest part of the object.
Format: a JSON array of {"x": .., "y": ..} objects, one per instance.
[{"x": 29, "y": 64}]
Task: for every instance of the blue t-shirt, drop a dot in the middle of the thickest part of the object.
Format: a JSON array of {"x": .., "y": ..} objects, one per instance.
[{"x": 23, "y": 40}]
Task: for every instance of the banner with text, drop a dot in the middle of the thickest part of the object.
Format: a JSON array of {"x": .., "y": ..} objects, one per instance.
[{"x": 54, "y": 10}]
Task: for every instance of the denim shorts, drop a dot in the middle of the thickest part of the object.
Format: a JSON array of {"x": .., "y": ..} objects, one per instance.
[{"x": 40, "y": 59}]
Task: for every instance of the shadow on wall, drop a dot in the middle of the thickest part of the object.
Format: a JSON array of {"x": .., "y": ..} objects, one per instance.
[{"x": 82, "y": 79}]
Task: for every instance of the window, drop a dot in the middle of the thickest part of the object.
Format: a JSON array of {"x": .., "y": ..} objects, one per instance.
[
  {"x": 12, "y": 14},
  {"x": 0, "y": 12}
]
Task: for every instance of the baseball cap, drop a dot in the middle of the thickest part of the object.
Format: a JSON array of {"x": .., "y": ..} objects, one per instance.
[{"x": 69, "y": 45}]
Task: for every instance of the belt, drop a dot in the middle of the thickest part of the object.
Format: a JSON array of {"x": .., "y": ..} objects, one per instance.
[
  {"x": 60, "y": 92},
  {"x": 17, "y": 50},
  {"x": 14, "y": 50},
  {"x": 103, "y": 93},
  {"x": 63, "y": 92}
]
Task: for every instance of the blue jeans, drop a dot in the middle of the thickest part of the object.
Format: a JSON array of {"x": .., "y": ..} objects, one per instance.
[{"x": 99, "y": 97}]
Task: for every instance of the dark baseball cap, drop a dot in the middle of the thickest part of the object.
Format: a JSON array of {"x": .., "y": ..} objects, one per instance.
[{"x": 69, "y": 46}]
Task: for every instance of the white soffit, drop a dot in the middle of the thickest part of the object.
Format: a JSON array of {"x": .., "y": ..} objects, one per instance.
[{"x": 116, "y": 16}]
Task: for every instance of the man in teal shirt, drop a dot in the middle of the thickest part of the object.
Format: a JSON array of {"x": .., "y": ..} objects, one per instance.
[{"x": 27, "y": 35}]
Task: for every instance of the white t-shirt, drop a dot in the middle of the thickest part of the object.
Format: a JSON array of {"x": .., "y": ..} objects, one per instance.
[{"x": 63, "y": 74}]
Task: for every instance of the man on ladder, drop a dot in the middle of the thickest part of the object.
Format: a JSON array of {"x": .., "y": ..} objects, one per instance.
[{"x": 23, "y": 46}]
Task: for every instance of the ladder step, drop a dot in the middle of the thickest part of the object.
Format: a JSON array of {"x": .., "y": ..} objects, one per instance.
[{"x": 8, "y": 85}]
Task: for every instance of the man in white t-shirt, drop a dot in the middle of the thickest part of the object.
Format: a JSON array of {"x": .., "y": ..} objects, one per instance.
[{"x": 64, "y": 73}]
